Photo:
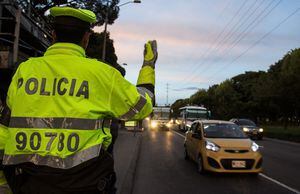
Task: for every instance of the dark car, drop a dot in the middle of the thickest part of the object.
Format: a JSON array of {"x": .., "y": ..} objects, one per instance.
[{"x": 249, "y": 127}]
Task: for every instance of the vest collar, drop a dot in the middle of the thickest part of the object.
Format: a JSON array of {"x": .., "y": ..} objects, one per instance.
[{"x": 61, "y": 48}]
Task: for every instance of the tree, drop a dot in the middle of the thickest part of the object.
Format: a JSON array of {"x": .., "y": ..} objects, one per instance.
[
  {"x": 288, "y": 91},
  {"x": 245, "y": 84},
  {"x": 227, "y": 103},
  {"x": 178, "y": 104},
  {"x": 95, "y": 48},
  {"x": 99, "y": 7},
  {"x": 199, "y": 98},
  {"x": 273, "y": 95}
]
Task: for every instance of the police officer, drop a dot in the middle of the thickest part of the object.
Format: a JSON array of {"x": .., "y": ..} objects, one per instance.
[{"x": 60, "y": 104}]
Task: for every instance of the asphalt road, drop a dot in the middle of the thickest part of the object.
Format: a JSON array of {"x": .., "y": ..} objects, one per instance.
[{"x": 161, "y": 168}]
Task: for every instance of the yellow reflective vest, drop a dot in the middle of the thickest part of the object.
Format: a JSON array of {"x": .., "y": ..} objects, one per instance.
[
  {"x": 61, "y": 104},
  {"x": 4, "y": 188}
]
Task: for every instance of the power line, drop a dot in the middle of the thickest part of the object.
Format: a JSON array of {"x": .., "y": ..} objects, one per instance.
[
  {"x": 245, "y": 32},
  {"x": 219, "y": 35},
  {"x": 228, "y": 35},
  {"x": 263, "y": 37}
]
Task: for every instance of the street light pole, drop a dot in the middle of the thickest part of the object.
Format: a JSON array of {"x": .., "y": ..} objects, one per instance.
[
  {"x": 104, "y": 33},
  {"x": 134, "y": 1},
  {"x": 106, "y": 22}
]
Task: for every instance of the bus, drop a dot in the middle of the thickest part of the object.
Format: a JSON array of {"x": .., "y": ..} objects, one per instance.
[
  {"x": 160, "y": 118},
  {"x": 188, "y": 114}
]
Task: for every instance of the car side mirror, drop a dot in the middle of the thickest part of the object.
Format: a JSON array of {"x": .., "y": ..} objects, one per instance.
[
  {"x": 197, "y": 135},
  {"x": 209, "y": 114}
]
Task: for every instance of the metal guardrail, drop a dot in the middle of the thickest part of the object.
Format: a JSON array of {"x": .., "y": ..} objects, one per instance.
[{"x": 31, "y": 21}]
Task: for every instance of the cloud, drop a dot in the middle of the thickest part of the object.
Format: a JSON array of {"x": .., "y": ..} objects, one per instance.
[
  {"x": 182, "y": 43},
  {"x": 188, "y": 59},
  {"x": 187, "y": 88}
]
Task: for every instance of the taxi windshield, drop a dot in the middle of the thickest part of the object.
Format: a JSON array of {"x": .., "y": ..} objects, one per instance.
[{"x": 222, "y": 130}]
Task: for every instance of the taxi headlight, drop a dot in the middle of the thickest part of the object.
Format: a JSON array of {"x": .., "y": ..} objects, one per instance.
[
  {"x": 212, "y": 146},
  {"x": 261, "y": 130},
  {"x": 245, "y": 129},
  {"x": 168, "y": 125},
  {"x": 254, "y": 147}
]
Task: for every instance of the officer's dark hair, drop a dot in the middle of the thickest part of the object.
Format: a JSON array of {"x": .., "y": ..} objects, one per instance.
[
  {"x": 70, "y": 29},
  {"x": 120, "y": 69}
]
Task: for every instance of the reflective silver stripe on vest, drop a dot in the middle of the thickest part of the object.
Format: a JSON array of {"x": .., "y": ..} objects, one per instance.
[
  {"x": 54, "y": 161},
  {"x": 137, "y": 108},
  {"x": 58, "y": 123},
  {"x": 145, "y": 90},
  {"x": 4, "y": 189}
]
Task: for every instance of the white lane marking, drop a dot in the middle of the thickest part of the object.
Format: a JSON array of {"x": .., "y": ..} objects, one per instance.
[
  {"x": 178, "y": 133},
  {"x": 262, "y": 175},
  {"x": 279, "y": 183}
]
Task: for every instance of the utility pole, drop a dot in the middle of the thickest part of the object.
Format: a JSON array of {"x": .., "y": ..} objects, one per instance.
[{"x": 167, "y": 94}]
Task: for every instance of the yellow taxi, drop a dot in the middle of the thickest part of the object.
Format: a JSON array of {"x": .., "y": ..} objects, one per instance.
[{"x": 221, "y": 146}]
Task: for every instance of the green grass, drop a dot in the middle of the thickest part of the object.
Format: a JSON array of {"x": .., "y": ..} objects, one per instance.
[{"x": 278, "y": 132}]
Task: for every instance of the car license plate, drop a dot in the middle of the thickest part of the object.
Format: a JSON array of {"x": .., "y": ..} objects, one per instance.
[{"x": 238, "y": 164}]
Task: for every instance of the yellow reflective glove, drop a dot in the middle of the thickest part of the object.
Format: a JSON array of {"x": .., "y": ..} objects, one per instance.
[{"x": 150, "y": 53}]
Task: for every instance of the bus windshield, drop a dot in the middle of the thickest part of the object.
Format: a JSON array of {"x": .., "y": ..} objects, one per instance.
[
  {"x": 196, "y": 114},
  {"x": 161, "y": 114}
]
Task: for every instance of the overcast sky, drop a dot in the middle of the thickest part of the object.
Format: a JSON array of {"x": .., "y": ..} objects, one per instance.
[{"x": 204, "y": 42}]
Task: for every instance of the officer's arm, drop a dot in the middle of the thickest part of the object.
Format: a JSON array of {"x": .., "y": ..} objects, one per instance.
[
  {"x": 128, "y": 102},
  {"x": 3, "y": 137},
  {"x": 146, "y": 79},
  {"x": 5, "y": 112},
  {"x": 4, "y": 119},
  {"x": 134, "y": 103},
  {"x": 13, "y": 87}
]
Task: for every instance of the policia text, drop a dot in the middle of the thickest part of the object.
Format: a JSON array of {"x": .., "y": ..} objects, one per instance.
[{"x": 61, "y": 86}]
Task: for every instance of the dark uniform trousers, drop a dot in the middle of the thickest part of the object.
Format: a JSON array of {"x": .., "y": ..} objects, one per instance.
[
  {"x": 114, "y": 128},
  {"x": 95, "y": 176}
]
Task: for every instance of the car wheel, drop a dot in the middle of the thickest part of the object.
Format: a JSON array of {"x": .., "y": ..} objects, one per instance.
[
  {"x": 200, "y": 167},
  {"x": 186, "y": 156},
  {"x": 260, "y": 138}
]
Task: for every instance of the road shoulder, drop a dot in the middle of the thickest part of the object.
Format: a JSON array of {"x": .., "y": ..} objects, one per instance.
[
  {"x": 282, "y": 141},
  {"x": 127, "y": 154}
]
